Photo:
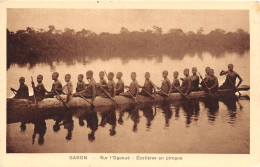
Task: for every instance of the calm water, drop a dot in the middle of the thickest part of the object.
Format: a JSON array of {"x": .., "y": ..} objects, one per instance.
[{"x": 197, "y": 127}]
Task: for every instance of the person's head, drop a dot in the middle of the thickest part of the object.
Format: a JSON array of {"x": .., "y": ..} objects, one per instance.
[
  {"x": 133, "y": 76},
  {"x": 101, "y": 74},
  {"x": 80, "y": 77},
  {"x": 211, "y": 72},
  {"x": 21, "y": 80},
  {"x": 119, "y": 75},
  {"x": 89, "y": 74},
  {"x": 230, "y": 67},
  {"x": 175, "y": 74},
  {"x": 55, "y": 76},
  {"x": 186, "y": 72},
  {"x": 194, "y": 70},
  {"x": 110, "y": 76},
  {"x": 67, "y": 77},
  {"x": 207, "y": 70},
  {"x": 147, "y": 75},
  {"x": 39, "y": 78},
  {"x": 165, "y": 74}
]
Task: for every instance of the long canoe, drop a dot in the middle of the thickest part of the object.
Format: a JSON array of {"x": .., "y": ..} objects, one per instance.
[{"x": 75, "y": 102}]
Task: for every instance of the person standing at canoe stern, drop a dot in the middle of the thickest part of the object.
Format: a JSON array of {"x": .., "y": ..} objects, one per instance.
[
  {"x": 81, "y": 86},
  {"x": 166, "y": 86},
  {"x": 91, "y": 88},
  {"x": 148, "y": 86},
  {"x": 231, "y": 76},
  {"x": 39, "y": 90},
  {"x": 102, "y": 83},
  {"x": 176, "y": 82},
  {"x": 23, "y": 91},
  {"x": 186, "y": 83},
  {"x": 110, "y": 87},
  {"x": 56, "y": 86},
  {"x": 133, "y": 88},
  {"x": 120, "y": 83},
  {"x": 195, "y": 80},
  {"x": 68, "y": 88},
  {"x": 212, "y": 83}
]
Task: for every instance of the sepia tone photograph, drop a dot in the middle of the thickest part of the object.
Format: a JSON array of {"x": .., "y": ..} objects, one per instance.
[{"x": 127, "y": 81}]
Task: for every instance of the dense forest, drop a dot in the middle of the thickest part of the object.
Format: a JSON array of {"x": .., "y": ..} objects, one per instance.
[{"x": 48, "y": 46}]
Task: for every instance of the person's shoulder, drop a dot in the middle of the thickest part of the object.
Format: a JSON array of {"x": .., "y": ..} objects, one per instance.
[
  {"x": 58, "y": 82},
  {"x": 25, "y": 86}
]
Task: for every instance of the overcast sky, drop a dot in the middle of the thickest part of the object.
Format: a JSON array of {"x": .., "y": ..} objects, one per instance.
[{"x": 111, "y": 20}]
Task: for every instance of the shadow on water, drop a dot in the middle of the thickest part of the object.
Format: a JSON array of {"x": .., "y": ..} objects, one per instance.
[{"x": 100, "y": 117}]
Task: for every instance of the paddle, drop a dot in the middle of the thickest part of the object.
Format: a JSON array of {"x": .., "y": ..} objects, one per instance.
[
  {"x": 164, "y": 92},
  {"x": 61, "y": 99},
  {"x": 86, "y": 100},
  {"x": 149, "y": 94},
  {"x": 205, "y": 84},
  {"x": 131, "y": 94},
  {"x": 13, "y": 90},
  {"x": 181, "y": 93},
  {"x": 233, "y": 85},
  {"x": 33, "y": 91},
  {"x": 107, "y": 94}
]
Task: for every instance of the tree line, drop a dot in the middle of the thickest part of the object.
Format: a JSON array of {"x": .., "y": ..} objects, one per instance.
[{"x": 46, "y": 46}]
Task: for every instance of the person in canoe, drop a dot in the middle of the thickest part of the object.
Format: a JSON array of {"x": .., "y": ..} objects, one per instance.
[
  {"x": 68, "y": 87},
  {"x": 195, "y": 80},
  {"x": 148, "y": 86},
  {"x": 212, "y": 82},
  {"x": 120, "y": 83},
  {"x": 102, "y": 82},
  {"x": 186, "y": 83},
  {"x": 39, "y": 90},
  {"x": 133, "y": 89},
  {"x": 231, "y": 76},
  {"x": 205, "y": 80},
  {"x": 81, "y": 86},
  {"x": 166, "y": 86},
  {"x": 110, "y": 87},
  {"x": 56, "y": 86},
  {"x": 176, "y": 82},
  {"x": 91, "y": 87},
  {"x": 23, "y": 91}
]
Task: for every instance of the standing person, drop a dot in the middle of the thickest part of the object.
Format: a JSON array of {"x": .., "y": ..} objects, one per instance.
[
  {"x": 231, "y": 76},
  {"x": 148, "y": 86},
  {"x": 23, "y": 91},
  {"x": 195, "y": 80},
  {"x": 56, "y": 86},
  {"x": 186, "y": 83},
  {"x": 39, "y": 90},
  {"x": 176, "y": 82},
  {"x": 91, "y": 88},
  {"x": 133, "y": 88},
  {"x": 120, "y": 83},
  {"x": 212, "y": 82},
  {"x": 110, "y": 87},
  {"x": 68, "y": 88},
  {"x": 166, "y": 86},
  {"x": 81, "y": 85}
]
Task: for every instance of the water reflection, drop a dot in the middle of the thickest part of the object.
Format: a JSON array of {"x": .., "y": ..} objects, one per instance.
[{"x": 101, "y": 117}]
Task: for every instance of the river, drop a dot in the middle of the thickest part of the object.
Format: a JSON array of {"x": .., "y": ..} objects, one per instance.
[{"x": 181, "y": 127}]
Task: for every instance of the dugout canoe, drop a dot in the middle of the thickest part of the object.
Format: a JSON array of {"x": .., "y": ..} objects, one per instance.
[{"x": 76, "y": 102}]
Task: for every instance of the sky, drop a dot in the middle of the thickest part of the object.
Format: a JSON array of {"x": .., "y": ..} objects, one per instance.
[{"x": 111, "y": 20}]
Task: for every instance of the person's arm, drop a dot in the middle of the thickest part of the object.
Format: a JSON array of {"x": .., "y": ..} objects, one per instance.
[
  {"x": 26, "y": 91},
  {"x": 114, "y": 88},
  {"x": 12, "y": 89},
  {"x": 93, "y": 90},
  {"x": 189, "y": 86},
  {"x": 153, "y": 86},
  {"x": 240, "y": 80},
  {"x": 215, "y": 84},
  {"x": 223, "y": 72},
  {"x": 58, "y": 86},
  {"x": 84, "y": 88},
  {"x": 70, "y": 89},
  {"x": 137, "y": 89}
]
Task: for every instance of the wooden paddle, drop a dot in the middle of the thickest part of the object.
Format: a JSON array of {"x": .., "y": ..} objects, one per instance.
[
  {"x": 205, "y": 84},
  {"x": 149, "y": 94},
  {"x": 33, "y": 91},
  {"x": 181, "y": 93},
  {"x": 87, "y": 100},
  {"x": 61, "y": 99},
  {"x": 107, "y": 94}
]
